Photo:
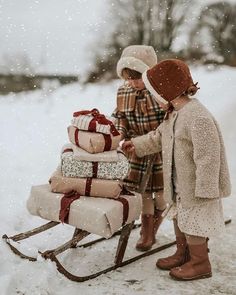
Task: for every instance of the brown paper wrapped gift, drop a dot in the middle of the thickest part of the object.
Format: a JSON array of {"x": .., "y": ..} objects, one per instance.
[
  {"x": 93, "y": 142},
  {"x": 85, "y": 186},
  {"x": 99, "y": 216}
]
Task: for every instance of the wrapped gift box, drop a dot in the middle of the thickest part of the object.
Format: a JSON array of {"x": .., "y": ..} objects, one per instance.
[
  {"x": 93, "y": 121},
  {"x": 99, "y": 216},
  {"x": 93, "y": 142},
  {"x": 81, "y": 155},
  {"x": 85, "y": 186},
  {"x": 71, "y": 167}
]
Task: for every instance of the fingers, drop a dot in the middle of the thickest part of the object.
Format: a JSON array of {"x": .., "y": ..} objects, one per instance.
[{"x": 128, "y": 147}]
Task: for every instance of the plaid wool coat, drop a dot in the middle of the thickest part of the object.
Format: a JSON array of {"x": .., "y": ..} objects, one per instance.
[{"x": 136, "y": 114}]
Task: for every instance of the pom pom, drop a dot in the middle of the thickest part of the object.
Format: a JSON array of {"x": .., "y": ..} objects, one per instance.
[{"x": 192, "y": 89}]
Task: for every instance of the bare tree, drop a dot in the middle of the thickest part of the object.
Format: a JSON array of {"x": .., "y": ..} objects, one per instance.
[
  {"x": 215, "y": 33},
  {"x": 149, "y": 22},
  {"x": 17, "y": 63}
]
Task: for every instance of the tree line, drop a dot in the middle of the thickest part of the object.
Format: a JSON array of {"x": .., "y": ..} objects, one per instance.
[{"x": 210, "y": 36}]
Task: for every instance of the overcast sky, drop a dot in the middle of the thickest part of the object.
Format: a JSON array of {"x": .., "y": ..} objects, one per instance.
[{"x": 57, "y": 35}]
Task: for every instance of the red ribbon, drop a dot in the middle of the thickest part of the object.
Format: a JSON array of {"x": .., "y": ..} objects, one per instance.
[
  {"x": 107, "y": 139},
  {"x": 97, "y": 117},
  {"x": 76, "y": 136},
  {"x": 108, "y": 142},
  {"x": 66, "y": 201},
  {"x": 67, "y": 150},
  {"x": 70, "y": 197},
  {"x": 125, "y": 204},
  {"x": 86, "y": 112},
  {"x": 88, "y": 186},
  {"x": 95, "y": 169}
]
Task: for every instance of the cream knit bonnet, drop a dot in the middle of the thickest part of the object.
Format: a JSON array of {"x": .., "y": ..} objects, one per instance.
[{"x": 137, "y": 57}]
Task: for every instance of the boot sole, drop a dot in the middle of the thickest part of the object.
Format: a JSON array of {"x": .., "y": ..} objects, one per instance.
[
  {"x": 143, "y": 249},
  {"x": 205, "y": 276},
  {"x": 173, "y": 266},
  {"x": 163, "y": 268}
]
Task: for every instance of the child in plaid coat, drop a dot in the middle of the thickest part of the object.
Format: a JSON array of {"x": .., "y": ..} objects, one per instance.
[{"x": 136, "y": 114}]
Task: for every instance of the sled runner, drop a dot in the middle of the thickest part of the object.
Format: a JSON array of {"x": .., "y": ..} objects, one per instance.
[
  {"x": 124, "y": 212},
  {"x": 123, "y": 229},
  {"x": 99, "y": 216},
  {"x": 78, "y": 236}
]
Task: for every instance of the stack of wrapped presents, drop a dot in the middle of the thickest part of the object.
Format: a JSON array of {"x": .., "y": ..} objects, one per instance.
[
  {"x": 86, "y": 189},
  {"x": 91, "y": 163}
]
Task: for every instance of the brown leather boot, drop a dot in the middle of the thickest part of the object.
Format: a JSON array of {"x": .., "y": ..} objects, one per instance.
[
  {"x": 180, "y": 257},
  {"x": 198, "y": 267},
  {"x": 147, "y": 238},
  {"x": 157, "y": 219}
]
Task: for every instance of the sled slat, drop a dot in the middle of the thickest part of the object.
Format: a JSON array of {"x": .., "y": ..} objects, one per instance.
[
  {"x": 123, "y": 241},
  {"x": 32, "y": 232},
  {"x": 80, "y": 235}
]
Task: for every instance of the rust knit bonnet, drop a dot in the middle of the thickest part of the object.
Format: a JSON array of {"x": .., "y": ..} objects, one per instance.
[{"x": 169, "y": 79}]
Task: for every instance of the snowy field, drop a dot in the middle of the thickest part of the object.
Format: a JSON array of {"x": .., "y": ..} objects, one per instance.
[{"x": 33, "y": 130}]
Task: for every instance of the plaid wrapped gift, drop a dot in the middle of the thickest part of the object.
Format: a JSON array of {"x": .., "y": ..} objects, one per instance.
[
  {"x": 93, "y": 121},
  {"x": 93, "y": 142}
]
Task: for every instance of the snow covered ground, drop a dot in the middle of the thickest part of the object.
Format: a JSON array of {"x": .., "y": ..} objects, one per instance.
[{"x": 33, "y": 130}]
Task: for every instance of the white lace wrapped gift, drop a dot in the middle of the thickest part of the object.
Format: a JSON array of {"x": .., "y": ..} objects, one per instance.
[
  {"x": 98, "y": 166},
  {"x": 99, "y": 216}
]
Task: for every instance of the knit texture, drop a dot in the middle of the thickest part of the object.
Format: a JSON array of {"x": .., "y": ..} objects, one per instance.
[{"x": 137, "y": 57}]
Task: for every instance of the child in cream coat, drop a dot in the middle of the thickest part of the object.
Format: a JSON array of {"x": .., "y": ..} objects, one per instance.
[{"x": 195, "y": 169}]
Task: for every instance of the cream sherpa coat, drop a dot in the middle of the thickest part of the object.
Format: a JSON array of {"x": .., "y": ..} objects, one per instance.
[{"x": 191, "y": 142}]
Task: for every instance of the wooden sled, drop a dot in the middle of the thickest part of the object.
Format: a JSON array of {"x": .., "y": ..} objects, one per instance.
[
  {"x": 79, "y": 235},
  {"x": 72, "y": 243}
]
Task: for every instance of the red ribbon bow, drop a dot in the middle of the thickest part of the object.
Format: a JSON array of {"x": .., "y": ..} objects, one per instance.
[{"x": 97, "y": 117}]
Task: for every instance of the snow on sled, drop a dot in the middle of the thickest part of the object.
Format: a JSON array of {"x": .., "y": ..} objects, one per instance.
[{"x": 101, "y": 216}]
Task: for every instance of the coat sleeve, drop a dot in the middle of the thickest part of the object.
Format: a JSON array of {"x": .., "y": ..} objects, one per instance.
[
  {"x": 149, "y": 143},
  {"x": 121, "y": 123},
  {"x": 206, "y": 155}
]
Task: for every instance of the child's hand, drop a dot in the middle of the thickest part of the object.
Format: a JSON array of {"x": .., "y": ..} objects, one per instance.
[{"x": 128, "y": 147}]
